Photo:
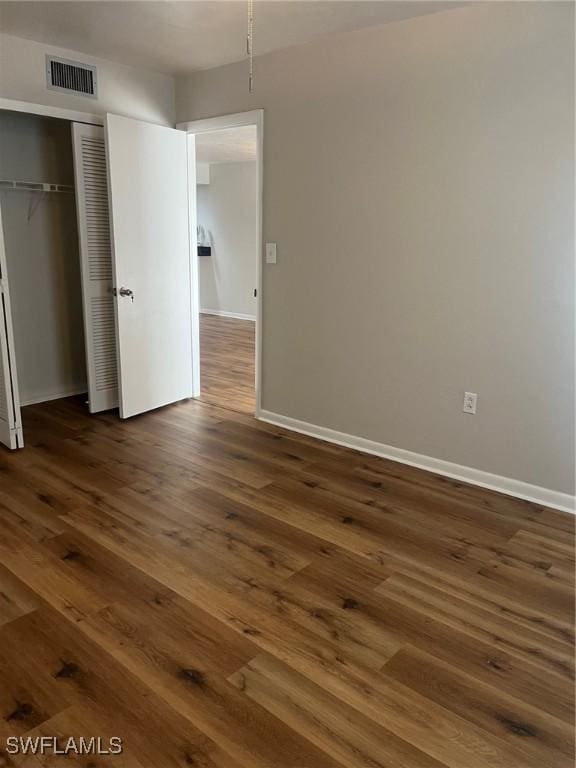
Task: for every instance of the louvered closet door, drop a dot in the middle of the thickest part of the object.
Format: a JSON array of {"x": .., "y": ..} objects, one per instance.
[
  {"x": 96, "y": 263},
  {"x": 10, "y": 421}
]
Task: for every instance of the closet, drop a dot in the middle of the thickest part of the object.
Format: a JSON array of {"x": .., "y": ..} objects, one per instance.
[
  {"x": 57, "y": 259},
  {"x": 98, "y": 288}
]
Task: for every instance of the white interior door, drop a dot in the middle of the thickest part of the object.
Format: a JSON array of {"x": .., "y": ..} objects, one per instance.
[
  {"x": 96, "y": 265},
  {"x": 151, "y": 257},
  {"x": 10, "y": 418}
]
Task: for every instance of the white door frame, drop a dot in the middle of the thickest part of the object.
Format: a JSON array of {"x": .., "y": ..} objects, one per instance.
[
  {"x": 44, "y": 110},
  {"x": 254, "y": 117},
  {"x": 15, "y": 438},
  {"x": 31, "y": 108}
]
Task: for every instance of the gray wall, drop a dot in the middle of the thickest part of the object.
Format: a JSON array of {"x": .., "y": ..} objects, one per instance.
[
  {"x": 122, "y": 90},
  {"x": 418, "y": 178},
  {"x": 227, "y": 208},
  {"x": 42, "y": 257}
]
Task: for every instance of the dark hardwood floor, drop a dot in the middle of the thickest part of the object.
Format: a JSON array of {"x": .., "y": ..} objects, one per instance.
[
  {"x": 220, "y": 593},
  {"x": 227, "y": 354}
]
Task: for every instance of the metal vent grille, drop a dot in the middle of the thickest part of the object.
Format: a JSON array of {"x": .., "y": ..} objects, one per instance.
[{"x": 64, "y": 75}]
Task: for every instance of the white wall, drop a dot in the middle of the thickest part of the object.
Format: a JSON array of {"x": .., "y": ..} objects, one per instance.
[
  {"x": 227, "y": 208},
  {"x": 123, "y": 90},
  {"x": 202, "y": 173},
  {"x": 42, "y": 256},
  {"x": 418, "y": 179}
]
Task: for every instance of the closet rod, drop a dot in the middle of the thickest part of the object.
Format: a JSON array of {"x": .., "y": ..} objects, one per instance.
[{"x": 35, "y": 186}]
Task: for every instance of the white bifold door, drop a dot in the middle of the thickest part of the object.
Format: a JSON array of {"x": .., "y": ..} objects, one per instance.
[
  {"x": 151, "y": 262},
  {"x": 135, "y": 220},
  {"x": 92, "y": 208},
  {"x": 10, "y": 420}
]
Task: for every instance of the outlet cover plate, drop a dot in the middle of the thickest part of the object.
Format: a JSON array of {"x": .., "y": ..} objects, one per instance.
[{"x": 470, "y": 402}]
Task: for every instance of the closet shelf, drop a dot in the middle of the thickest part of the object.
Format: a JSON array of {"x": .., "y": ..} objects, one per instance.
[{"x": 35, "y": 186}]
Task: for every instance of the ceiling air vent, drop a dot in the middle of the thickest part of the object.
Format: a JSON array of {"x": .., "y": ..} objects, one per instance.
[{"x": 71, "y": 76}]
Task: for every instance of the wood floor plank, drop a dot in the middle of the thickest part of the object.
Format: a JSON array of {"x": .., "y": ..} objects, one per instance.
[
  {"x": 53, "y": 583},
  {"x": 541, "y": 736},
  {"x": 227, "y": 354},
  {"x": 16, "y": 599},
  {"x": 82, "y": 673},
  {"x": 482, "y": 659},
  {"x": 410, "y": 501},
  {"x": 429, "y": 728},
  {"x": 553, "y": 654},
  {"x": 75, "y": 722},
  {"x": 351, "y": 738},
  {"x": 189, "y": 681}
]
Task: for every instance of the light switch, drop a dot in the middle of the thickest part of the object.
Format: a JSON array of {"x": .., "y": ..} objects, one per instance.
[{"x": 270, "y": 253}]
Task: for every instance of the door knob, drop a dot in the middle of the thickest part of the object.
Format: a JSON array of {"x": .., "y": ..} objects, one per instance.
[{"x": 126, "y": 292}]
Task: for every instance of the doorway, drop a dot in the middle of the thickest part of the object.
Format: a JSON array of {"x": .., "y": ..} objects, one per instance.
[
  {"x": 126, "y": 224},
  {"x": 227, "y": 215}
]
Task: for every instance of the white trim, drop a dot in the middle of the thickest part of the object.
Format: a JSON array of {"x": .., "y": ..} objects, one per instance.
[
  {"x": 222, "y": 122},
  {"x": 194, "y": 269},
  {"x": 254, "y": 117},
  {"x": 223, "y": 313},
  {"x": 43, "y": 109},
  {"x": 8, "y": 354},
  {"x": 506, "y": 485},
  {"x": 59, "y": 396}
]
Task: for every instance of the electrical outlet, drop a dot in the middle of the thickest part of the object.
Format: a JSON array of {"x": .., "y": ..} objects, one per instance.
[
  {"x": 270, "y": 253},
  {"x": 470, "y": 402}
]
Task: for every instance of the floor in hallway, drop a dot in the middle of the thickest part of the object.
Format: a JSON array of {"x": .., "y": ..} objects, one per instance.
[{"x": 227, "y": 353}]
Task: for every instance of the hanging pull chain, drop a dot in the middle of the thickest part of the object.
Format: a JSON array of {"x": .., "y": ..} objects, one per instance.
[{"x": 250, "y": 46}]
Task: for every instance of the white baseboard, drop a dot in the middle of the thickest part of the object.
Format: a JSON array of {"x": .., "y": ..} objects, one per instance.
[
  {"x": 233, "y": 315},
  {"x": 507, "y": 485},
  {"x": 48, "y": 398}
]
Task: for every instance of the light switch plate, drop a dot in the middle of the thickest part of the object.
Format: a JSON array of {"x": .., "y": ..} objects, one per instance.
[{"x": 270, "y": 253}]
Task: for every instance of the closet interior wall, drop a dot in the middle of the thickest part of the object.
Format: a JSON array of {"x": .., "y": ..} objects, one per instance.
[{"x": 41, "y": 241}]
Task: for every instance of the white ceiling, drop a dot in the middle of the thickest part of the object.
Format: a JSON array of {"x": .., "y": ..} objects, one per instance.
[
  {"x": 179, "y": 37},
  {"x": 232, "y": 145}
]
